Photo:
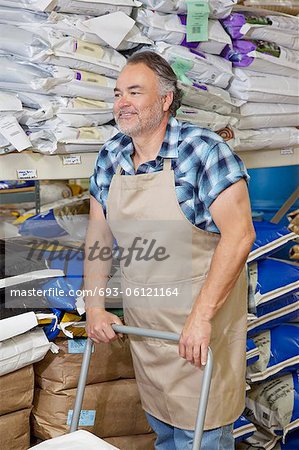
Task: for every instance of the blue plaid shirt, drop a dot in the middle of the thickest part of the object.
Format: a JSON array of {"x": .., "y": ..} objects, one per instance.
[{"x": 204, "y": 165}]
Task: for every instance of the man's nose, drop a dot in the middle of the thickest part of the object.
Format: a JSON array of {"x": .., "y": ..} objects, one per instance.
[{"x": 123, "y": 101}]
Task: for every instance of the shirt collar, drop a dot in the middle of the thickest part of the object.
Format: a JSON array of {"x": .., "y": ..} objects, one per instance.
[{"x": 169, "y": 147}]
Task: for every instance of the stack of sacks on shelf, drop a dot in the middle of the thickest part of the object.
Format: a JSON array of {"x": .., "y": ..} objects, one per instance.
[
  {"x": 204, "y": 76},
  {"x": 19, "y": 349},
  {"x": 272, "y": 402},
  {"x": 265, "y": 57},
  {"x": 111, "y": 406},
  {"x": 62, "y": 64}
]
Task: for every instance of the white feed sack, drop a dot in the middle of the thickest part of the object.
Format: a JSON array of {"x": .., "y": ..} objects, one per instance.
[
  {"x": 20, "y": 351},
  {"x": 21, "y": 76},
  {"x": 9, "y": 102},
  {"x": 275, "y": 404},
  {"x": 267, "y": 115},
  {"x": 198, "y": 67},
  {"x": 218, "y": 8},
  {"x": 171, "y": 28},
  {"x": 282, "y": 30},
  {"x": 261, "y": 56},
  {"x": 207, "y": 97},
  {"x": 61, "y": 51},
  {"x": 265, "y": 138},
  {"x": 44, "y": 24},
  {"x": 90, "y": 7},
  {"x": 205, "y": 119},
  {"x": 65, "y": 139},
  {"x": 263, "y": 88}
]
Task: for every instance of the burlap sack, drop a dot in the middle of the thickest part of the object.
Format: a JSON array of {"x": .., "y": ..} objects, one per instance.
[
  {"x": 16, "y": 390},
  {"x": 137, "y": 442},
  {"x": 61, "y": 371},
  {"x": 15, "y": 430},
  {"x": 109, "y": 409}
]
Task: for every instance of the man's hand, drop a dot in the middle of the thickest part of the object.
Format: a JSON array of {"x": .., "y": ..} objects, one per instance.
[
  {"x": 99, "y": 327},
  {"x": 195, "y": 340}
]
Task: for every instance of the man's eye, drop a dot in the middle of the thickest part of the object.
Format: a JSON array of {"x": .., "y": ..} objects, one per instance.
[
  {"x": 116, "y": 95},
  {"x": 134, "y": 93}
]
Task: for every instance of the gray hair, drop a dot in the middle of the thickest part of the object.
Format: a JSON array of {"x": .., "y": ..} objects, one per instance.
[{"x": 167, "y": 78}]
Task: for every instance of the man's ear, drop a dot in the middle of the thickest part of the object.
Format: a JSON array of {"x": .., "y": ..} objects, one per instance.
[{"x": 167, "y": 101}]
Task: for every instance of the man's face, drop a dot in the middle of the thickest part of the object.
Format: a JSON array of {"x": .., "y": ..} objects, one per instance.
[{"x": 138, "y": 105}]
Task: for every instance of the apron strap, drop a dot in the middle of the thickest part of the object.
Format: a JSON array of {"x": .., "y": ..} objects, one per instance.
[{"x": 167, "y": 164}]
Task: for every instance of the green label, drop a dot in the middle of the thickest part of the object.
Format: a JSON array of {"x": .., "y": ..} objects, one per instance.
[
  {"x": 197, "y": 20},
  {"x": 269, "y": 48},
  {"x": 180, "y": 67}
]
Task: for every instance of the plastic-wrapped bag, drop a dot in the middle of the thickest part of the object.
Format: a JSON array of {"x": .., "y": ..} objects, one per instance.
[
  {"x": 9, "y": 102},
  {"x": 197, "y": 67},
  {"x": 44, "y": 24},
  {"x": 171, "y": 28},
  {"x": 267, "y": 115},
  {"x": 61, "y": 50},
  {"x": 272, "y": 278},
  {"x": 264, "y": 138},
  {"x": 279, "y": 353},
  {"x": 243, "y": 429},
  {"x": 269, "y": 238},
  {"x": 281, "y": 30},
  {"x": 255, "y": 87},
  {"x": 274, "y": 404},
  {"x": 218, "y": 8},
  {"x": 204, "y": 119},
  {"x": 209, "y": 98},
  {"x": 252, "y": 352},
  {"x": 68, "y": 139},
  {"x": 91, "y": 7},
  {"x": 262, "y": 56},
  {"x": 274, "y": 313}
]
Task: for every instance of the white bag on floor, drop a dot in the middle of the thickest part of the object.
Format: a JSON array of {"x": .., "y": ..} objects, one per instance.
[{"x": 79, "y": 440}]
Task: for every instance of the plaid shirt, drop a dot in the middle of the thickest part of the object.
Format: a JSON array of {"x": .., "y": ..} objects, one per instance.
[{"x": 203, "y": 164}]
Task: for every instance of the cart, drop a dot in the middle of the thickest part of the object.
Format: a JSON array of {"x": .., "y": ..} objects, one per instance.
[{"x": 207, "y": 376}]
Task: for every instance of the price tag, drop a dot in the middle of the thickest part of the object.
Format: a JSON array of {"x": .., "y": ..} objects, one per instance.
[
  {"x": 26, "y": 174},
  {"x": 287, "y": 151},
  {"x": 71, "y": 160},
  {"x": 197, "y": 20},
  {"x": 12, "y": 131}
]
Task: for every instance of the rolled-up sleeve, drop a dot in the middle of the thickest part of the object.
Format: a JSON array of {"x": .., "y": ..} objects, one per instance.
[{"x": 221, "y": 169}]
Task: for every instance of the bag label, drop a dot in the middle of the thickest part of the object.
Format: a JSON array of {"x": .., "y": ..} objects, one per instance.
[
  {"x": 197, "y": 20},
  {"x": 180, "y": 67},
  {"x": 77, "y": 345},
  {"x": 87, "y": 417}
]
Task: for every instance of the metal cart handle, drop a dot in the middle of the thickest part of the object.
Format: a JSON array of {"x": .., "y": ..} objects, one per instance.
[{"x": 205, "y": 388}]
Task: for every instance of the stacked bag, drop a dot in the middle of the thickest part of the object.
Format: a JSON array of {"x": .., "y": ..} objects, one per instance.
[
  {"x": 111, "y": 406},
  {"x": 272, "y": 401},
  {"x": 265, "y": 57},
  {"x": 19, "y": 349},
  {"x": 61, "y": 64}
]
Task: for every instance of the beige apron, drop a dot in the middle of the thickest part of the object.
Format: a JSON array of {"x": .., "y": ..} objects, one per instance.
[{"x": 146, "y": 206}]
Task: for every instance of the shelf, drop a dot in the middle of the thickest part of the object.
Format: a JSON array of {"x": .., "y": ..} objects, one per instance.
[{"x": 80, "y": 165}]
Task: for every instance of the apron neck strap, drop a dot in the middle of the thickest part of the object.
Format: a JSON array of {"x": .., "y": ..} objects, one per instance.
[{"x": 167, "y": 164}]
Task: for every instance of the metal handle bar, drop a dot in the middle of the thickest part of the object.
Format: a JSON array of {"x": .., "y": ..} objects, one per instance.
[{"x": 205, "y": 388}]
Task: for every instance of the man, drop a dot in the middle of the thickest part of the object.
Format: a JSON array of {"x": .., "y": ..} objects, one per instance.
[{"x": 181, "y": 185}]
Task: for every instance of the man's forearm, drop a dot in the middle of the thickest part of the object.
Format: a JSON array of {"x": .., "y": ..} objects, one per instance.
[
  {"x": 226, "y": 265},
  {"x": 97, "y": 267}
]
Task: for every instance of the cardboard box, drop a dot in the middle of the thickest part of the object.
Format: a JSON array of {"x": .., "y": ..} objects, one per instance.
[
  {"x": 137, "y": 442},
  {"x": 109, "y": 409},
  {"x": 61, "y": 371},
  {"x": 15, "y": 430},
  {"x": 16, "y": 390}
]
